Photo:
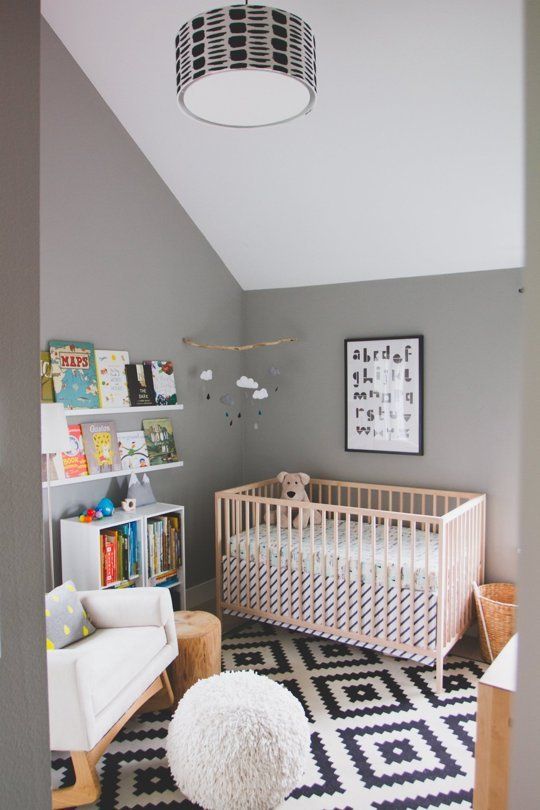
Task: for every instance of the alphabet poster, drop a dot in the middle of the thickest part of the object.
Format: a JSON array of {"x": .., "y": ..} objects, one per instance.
[{"x": 383, "y": 395}]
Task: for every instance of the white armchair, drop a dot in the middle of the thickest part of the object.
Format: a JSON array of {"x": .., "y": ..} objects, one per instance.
[{"x": 98, "y": 683}]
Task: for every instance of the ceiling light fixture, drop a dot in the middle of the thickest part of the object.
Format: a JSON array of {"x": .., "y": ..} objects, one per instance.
[{"x": 246, "y": 66}]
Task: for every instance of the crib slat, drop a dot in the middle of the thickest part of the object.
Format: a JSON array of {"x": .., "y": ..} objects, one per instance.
[
  {"x": 386, "y": 533},
  {"x": 412, "y": 578},
  {"x": 324, "y": 571},
  {"x": 399, "y": 567},
  {"x": 360, "y": 538},
  {"x": 268, "y": 567},
  {"x": 279, "y": 562},
  {"x": 427, "y": 540},
  {"x": 348, "y": 569},
  {"x": 228, "y": 547},
  {"x": 312, "y": 563},
  {"x": 248, "y": 553},
  {"x": 336, "y": 570},
  {"x": 237, "y": 546},
  {"x": 373, "y": 572},
  {"x": 289, "y": 543},
  {"x": 301, "y": 560},
  {"x": 258, "y": 552}
]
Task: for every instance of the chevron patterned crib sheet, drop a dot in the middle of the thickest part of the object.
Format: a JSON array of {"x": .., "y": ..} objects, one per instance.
[{"x": 417, "y": 556}]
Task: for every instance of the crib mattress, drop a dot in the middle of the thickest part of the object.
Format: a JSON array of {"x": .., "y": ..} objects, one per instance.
[{"x": 389, "y": 570}]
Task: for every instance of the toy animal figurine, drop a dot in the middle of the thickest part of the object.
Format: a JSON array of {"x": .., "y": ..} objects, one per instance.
[
  {"x": 293, "y": 488},
  {"x": 129, "y": 504},
  {"x": 106, "y": 507}
]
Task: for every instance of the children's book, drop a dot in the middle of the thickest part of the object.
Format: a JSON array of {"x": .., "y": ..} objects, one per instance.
[
  {"x": 75, "y": 465},
  {"x": 133, "y": 450},
  {"x": 47, "y": 393},
  {"x": 111, "y": 378},
  {"x": 140, "y": 384},
  {"x": 163, "y": 379},
  {"x": 160, "y": 441},
  {"x": 101, "y": 447},
  {"x": 74, "y": 373}
]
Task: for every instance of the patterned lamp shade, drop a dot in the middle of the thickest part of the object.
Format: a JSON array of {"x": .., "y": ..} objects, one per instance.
[{"x": 246, "y": 66}]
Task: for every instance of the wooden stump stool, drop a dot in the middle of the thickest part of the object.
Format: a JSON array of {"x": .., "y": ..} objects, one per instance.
[{"x": 199, "y": 649}]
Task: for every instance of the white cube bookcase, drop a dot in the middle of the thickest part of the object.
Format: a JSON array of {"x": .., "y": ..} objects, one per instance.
[{"x": 81, "y": 548}]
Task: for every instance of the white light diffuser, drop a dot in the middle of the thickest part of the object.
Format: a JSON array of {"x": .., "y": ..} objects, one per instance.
[{"x": 246, "y": 66}]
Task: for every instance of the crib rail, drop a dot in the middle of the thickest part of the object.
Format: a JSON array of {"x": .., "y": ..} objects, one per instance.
[{"x": 392, "y": 566}]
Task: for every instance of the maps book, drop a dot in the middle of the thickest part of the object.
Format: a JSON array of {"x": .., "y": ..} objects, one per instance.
[{"x": 74, "y": 374}]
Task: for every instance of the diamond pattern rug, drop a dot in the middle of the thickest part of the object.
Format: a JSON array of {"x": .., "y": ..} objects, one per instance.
[{"x": 381, "y": 736}]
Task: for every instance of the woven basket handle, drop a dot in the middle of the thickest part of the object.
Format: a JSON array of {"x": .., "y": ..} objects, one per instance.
[{"x": 481, "y": 612}]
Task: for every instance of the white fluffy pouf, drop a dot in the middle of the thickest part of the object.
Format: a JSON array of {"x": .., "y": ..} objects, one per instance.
[{"x": 238, "y": 741}]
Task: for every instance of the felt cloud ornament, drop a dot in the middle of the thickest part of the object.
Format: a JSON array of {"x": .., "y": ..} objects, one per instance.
[
  {"x": 227, "y": 399},
  {"x": 274, "y": 372},
  {"x": 261, "y": 393},
  {"x": 247, "y": 382},
  {"x": 206, "y": 376}
]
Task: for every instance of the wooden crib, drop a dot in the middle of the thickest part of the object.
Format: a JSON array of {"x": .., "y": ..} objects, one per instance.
[{"x": 389, "y": 568}]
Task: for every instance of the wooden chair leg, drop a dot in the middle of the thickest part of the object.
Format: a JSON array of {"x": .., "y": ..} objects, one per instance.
[
  {"x": 86, "y": 789},
  {"x": 164, "y": 699}
]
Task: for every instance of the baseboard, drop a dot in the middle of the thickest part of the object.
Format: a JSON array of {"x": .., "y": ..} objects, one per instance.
[{"x": 201, "y": 593}]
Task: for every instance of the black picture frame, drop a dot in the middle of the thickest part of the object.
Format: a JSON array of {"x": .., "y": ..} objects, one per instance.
[{"x": 417, "y": 448}]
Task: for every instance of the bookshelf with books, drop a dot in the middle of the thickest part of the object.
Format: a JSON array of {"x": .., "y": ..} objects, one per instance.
[
  {"x": 97, "y": 383},
  {"x": 142, "y": 548}
]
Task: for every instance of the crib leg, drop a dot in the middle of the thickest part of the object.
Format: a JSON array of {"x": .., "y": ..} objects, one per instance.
[{"x": 439, "y": 674}]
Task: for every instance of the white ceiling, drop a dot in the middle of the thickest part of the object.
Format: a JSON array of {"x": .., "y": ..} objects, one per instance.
[{"x": 410, "y": 163}]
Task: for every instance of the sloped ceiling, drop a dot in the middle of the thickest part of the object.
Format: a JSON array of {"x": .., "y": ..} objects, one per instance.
[{"x": 410, "y": 164}]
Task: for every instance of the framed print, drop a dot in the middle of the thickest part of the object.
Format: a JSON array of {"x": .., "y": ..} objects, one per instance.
[{"x": 384, "y": 391}]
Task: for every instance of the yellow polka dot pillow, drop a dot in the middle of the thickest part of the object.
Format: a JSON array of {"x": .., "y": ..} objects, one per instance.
[{"x": 65, "y": 617}]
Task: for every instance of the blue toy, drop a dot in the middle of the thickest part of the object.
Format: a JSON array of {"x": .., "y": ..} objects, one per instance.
[{"x": 106, "y": 507}]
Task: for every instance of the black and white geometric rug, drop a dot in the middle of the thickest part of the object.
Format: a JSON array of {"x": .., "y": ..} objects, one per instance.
[{"x": 381, "y": 737}]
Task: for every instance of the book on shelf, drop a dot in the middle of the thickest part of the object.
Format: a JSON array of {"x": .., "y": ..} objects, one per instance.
[
  {"x": 111, "y": 378},
  {"x": 119, "y": 555},
  {"x": 74, "y": 376},
  {"x": 140, "y": 384},
  {"x": 163, "y": 380},
  {"x": 47, "y": 392},
  {"x": 101, "y": 447},
  {"x": 160, "y": 441},
  {"x": 133, "y": 450},
  {"x": 74, "y": 459},
  {"x": 164, "y": 549}
]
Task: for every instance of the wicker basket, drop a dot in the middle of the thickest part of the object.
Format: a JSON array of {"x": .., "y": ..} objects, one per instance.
[{"x": 496, "y": 608}]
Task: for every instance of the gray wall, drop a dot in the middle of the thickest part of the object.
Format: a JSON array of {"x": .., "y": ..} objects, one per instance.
[
  {"x": 24, "y": 734},
  {"x": 471, "y": 325},
  {"x": 526, "y": 727},
  {"x": 124, "y": 266}
]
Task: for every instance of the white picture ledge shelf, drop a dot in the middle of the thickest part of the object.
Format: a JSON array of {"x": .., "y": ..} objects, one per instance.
[
  {"x": 63, "y": 482},
  {"x": 98, "y": 412}
]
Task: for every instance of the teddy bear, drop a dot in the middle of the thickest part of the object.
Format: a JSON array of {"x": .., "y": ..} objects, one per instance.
[{"x": 293, "y": 488}]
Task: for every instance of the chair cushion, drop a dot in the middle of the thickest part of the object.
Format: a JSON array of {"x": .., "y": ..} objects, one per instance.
[
  {"x": 115, "y": 656},
  {"x": 65, "y": 618}
]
